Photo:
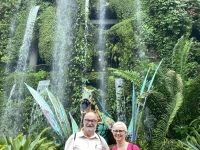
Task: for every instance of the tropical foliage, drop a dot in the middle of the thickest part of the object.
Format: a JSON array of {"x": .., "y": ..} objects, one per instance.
[
  {"x": 192, "y": 140},
  {"x": 22, "y": 142},
  {"x": 145, "y": 33}
]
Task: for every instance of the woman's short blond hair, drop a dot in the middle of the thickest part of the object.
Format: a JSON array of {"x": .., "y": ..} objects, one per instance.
[{"x": 120, "y": 123}]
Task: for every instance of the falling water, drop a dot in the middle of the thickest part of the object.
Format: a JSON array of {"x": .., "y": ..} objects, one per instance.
[
  {"x": 101, "y": 51},
  {"x": 63, "y": 46},
  {"x": 24, "y": 53},
  {"x": 24, "y": 49},
  {"x": 85, "y": 37},
  {"x": 11, "y": 121},
  {"x": 11, "y": 92},
  {"x": 86, "y": 12},
  {"x": 138, "y": 29}
]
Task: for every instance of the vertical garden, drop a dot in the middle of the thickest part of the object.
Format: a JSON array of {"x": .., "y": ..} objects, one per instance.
[{"x": 76, "y": 44}]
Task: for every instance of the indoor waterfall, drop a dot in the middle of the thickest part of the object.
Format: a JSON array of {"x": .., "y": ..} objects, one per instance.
[
  {"x": 63, "y": 46},
  {"x": 101, "y": 53},
  {"x": 12, "y": 117},
  {"x": 132, "y": 61},
  {"x": 85, "y": 38},
  {"x": 138, "y": 15}
]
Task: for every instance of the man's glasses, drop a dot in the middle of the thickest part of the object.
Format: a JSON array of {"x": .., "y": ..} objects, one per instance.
[
  {"x": 120, "y": 131},
  {"x": 92, "y": 121}
]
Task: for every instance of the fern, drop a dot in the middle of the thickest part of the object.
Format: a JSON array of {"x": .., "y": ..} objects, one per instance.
[
  {"x": 128, "y": 75},
  {"x": 166, "y": 119},
  {"x": 180, "y": 55}
]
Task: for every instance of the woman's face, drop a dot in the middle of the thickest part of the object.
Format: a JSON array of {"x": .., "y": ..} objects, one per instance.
[{"x": 119, "y": 133}]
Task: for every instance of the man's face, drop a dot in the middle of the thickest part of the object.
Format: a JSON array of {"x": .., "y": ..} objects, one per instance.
[{"x": 90, "y": 122}]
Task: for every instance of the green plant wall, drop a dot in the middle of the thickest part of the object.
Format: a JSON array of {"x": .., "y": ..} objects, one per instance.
[
  {"x": 167, "y": 21},
  {"x": 121, "y": 44},
  {"x": 163, "y": 23},
  {"x": 123, "y": 8},
  {"x": 46, "y": 32}
]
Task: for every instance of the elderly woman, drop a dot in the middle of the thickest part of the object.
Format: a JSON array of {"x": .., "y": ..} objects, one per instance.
[{"x": 119, "y": 131}]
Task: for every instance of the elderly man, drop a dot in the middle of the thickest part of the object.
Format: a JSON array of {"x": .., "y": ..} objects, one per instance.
[{"x": 87, "y": 139}]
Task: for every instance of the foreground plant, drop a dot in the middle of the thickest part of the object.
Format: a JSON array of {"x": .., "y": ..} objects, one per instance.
[
  {"x": 22, "y": 142},
  {"x": 193, "y": 137}
]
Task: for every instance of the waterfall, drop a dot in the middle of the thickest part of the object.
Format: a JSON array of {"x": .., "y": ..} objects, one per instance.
[
  {"x": 62, "y": 47},
  {"x": 85, "y": 37},
  {"x": 86, "y": 11},
  {"x": 24, "y": 49},
  {"x": 101, "y": 52},
  {"x": 138, "y": 29},
  {"x": 24, "y": 54},
  {"x": 11, "y": 122}
]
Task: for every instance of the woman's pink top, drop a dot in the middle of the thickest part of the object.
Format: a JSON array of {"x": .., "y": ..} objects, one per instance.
[{"x": 130, "y": 147}]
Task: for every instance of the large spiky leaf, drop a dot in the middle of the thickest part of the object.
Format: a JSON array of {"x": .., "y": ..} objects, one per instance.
[
  {"x": 142, "y": 105},
  {"x": 144, "y": 83},
  {"x": 136, "y": 107},
  {"x": 75, "y": 128},
  {"x": 132, "y": 126},
  {"x": 61, "y": 114},
  {"x": 132, "y": 131},
  {"x": 103, "y": 109},
  {"x": 46, "y": 110},
  {"x": 152, "y": 79}
]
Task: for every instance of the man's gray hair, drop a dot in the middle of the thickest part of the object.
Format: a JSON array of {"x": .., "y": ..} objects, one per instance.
[{"x": 120, "y": 123}]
